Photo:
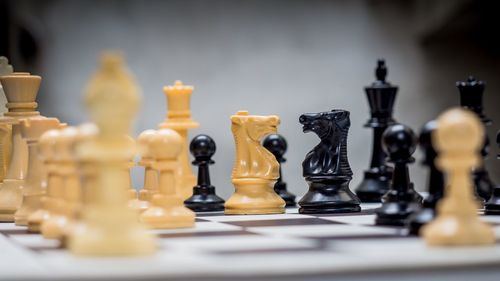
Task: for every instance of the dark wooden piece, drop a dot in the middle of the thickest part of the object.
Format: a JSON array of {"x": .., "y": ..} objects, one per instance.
[{"x": 326, "y": 168}]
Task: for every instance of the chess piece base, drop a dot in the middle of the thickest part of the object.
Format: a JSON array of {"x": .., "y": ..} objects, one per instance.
[
  {"x": 204, "y": 199},
  {"x": 289, "y": 198},
  {"x": 395, "y": 213},
  {"x": 30, "y": 204},
  {"x": 53, "y": 227},
  {"x": 492, "y": 207},
  {"x": 168, "y": 212},
  {"x": 95, "y": 241},
  {"x": 419, "y": 219},
  {"x": 138, "y": 205},
  {"x": 451, "y": 230},
  {"x": 373, "y": 187},
  {"x": 328, "y": 196},
  {"x": 254, "y": 196},
  {"x": 11, "y": 197},
  {"x": 36, "y": 219}
]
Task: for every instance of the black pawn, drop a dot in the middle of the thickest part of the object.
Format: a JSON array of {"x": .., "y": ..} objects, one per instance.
[
  {"x": 435, "y": 182},
  {"x": 277, "y": 145},
  {"x": 399, "y": 142},
  {"x": 471, "y": 97},
  {"x": 492, "y": 207},
  {"x": 204, "y": 199},
  {"x": 381, "y": 96}
]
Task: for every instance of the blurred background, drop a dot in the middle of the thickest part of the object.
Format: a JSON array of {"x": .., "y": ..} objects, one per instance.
[{"x": 283, "y": 57}]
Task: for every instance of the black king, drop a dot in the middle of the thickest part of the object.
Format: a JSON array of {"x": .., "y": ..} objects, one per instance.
[{"x": 381, "y": 96}]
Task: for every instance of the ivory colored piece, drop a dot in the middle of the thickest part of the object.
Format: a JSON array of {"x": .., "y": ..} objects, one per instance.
[
  {"x": 34, "y": 185},
  {"x": 20, "y": 90},
  {"x": 68, "y": 202},
  {"x": 150, "y": 187},
  {"x": 168, "y": 210},
  {"x": 46, "y": 145},
  {"x": 458, "y": 141},
  {"x": 108, "y": 226},
  {"x": 5, "y": 129},
  {"x": 255, "y": 170},
  {"x": 179, "y": 119}
]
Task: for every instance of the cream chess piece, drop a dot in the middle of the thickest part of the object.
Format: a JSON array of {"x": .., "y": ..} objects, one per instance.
[
  {"x": 179, "y": 119},
  {"x": 34, "y": 185},
  {"x": 108, "y": 226},
  {"x": 20, "y": 90},
  {"x": 5, "y": 129},
  {"x": 168, "y": 210},
  {"x": 255, "y": 170},
  {"x": 458, "y": 140},
  {"x": 134, "y": 202},
  {"x": 46, "y": 144},
  {"x": 150, "y": 187}
]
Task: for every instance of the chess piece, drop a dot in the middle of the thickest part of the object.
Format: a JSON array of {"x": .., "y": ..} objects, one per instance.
[
  {"x": 471, "y": 97},
  {"x": 179, "y": 119},
  {"x": 204, "y": 199},
  {"x": 435, "y": 183},
  {"x": 34, "y": 185},
  {"x": 20, "y": 90},
  {"x": 134, "y": 202},
  {"x": 399, "y": 143},
  {"x": 458, "y": 141},
  {"x": 54, "y": 186},
  {"x": 255, "y": 169},
  {"x": 326, "y": 168},
  {"x": 67, "y": 203},
  {"x": 277, "y": 145},
  {"x": 492, "y": 207},
  {"x": 108, "y": 227},
  {"x": 381, "y": 96},
  {"x": 150, "y": 187},
  {"x": 167, "y": 210},
  {"x": 5, "y": 129}
]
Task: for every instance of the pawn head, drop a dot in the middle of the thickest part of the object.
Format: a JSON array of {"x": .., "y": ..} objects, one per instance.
[
  {"x": 276, "y": 144},
  {"x": 399, "y": 142},
  {"x": 166, "y": 144},
  {"x": 460, "y": 132},
  {"x": 143, "y": 141},
  {"x": 202, "y": 146},
  {"x": 46, "y": 144}
]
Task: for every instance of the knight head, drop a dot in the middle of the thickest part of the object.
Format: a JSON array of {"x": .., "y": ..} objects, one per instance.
[
  {"x": 256, "y": 126},
  {"x": 325, "y": 123}
]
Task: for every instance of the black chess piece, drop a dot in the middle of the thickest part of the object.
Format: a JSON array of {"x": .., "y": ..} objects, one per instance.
[
  {"x": 399, "y": 142},
  {"x": 381, "y": 96},
  {"x": 204, "y": 199},
  {"x": 435, "y": 182},
  {"x": 326, "y": 168},
  {"x": 492, "y": 207},
  {"x": 471, "y": 97},
  {"x": 277, "y": 145}
]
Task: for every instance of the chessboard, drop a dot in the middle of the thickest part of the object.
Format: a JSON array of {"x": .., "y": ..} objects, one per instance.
[{"x": 222, "y": 247}]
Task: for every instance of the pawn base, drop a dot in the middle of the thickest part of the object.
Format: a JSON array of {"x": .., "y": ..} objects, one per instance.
[
  {"x": 205, "y": 203},
  {"x": 451, "y": 230},
  {"x": 289, "y": 198},
  {"x": 36, "y": 219},
  {"x": 53, "y": 227},
  {"x": 30, "y": 204},
  {"x": 394, "y": 213},
  {"x": 168, "y": 212},
  {"x": 419, "y": 219},
  {"x": 254, "y": 196},
  {"x": 492, "y": 207},
  {"x": 329, "y": 196},
  {"x": 96, "y": 241},
  {"x": 373, "y": 187}
]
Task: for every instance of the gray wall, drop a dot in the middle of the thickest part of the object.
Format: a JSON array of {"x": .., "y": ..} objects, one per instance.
[{"x": 269, "y": 57}]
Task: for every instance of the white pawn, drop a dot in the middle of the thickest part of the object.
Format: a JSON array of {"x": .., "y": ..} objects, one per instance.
[
  {"x": 458, "y": 140},
  {"x": 150, "y": 187},
  {"x": 168, "y": 210}
]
